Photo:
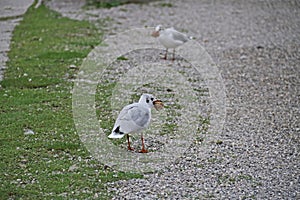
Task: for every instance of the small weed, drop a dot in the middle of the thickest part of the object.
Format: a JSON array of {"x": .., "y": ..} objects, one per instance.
[
  {"x": 204, "y": 125},
  {"x": 244, "y": 176},
  {"x": 219, "y": 142},
  {"x": 212, "y": 160},
  {"x": 226, "y": 179},
  {"x": 169, "y": 5},
  {"x": 101, "y": 4},
  {"x": 122, "y": 58},
  {"x": 110, "y": 4},
  {"x": 199, "y": 140}
]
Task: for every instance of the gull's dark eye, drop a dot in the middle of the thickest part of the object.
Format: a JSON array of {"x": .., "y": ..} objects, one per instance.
[
  {"x": 147, "y": 100},
  {"x": 152, "y": 98}
]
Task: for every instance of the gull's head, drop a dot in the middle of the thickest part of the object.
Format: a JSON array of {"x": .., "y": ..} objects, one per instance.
[
  {"x": 150, "y": 101},
  {"x": 158, "y": 28},
  {"x": 155, "y": 33}
]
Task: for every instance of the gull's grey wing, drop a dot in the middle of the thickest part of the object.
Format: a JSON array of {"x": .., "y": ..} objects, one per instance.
[
  {"x": 140, "y": 115},
  {"x": 179, "y": 36},
  {"x": 133, "y": 118}
]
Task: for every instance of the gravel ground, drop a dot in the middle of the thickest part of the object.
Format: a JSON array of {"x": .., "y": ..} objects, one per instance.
[
  {"x": 10, "y": 15},
  {"x": 256, "y": 47}
]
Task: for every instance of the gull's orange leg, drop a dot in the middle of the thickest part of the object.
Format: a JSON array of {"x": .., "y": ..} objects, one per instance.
[
  {"x": 173, "y": 55},
  {"x": 143, "y": 146},
  {"x": 166, "y": 54},
  {"x": 129, "y": 147}
]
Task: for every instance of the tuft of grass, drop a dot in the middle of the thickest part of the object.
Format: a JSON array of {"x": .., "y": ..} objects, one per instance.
[
  {"x": 204, "y": 125},
  {"x": 104, "y": 4},
  {"x": 114, "y": 3},
  {"x": 219, "y": 142},
  {"x": 164, "y": 5},
  {"x": 122, "y": 58},
  {"x": 50, "y": 163},
  {"x": 169, "y": 5},
  {"x": 222, "y": 179}
]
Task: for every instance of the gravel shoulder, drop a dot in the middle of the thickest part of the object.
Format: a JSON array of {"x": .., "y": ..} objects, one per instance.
[
  {"x": 256, "y": 47},
  {"x": 10, "y": 15}
]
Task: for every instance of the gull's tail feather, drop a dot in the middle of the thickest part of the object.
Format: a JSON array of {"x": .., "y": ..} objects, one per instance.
[{"x": 116, "y": 133}]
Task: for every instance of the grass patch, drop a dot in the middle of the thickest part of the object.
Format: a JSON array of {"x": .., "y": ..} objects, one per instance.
[
  {"x": 51, "y": 163},
  {"x": 166, "y": 5},
  {"x": 114, "y": 3},
  {"x": 122, "y": 58},
  {"x": 103, "y": 4}
]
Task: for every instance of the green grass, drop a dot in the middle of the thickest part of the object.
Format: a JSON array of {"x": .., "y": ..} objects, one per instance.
[
  {"x": 36, "y": 94},
  {"x": 122, "y": 58},
  {"x": 113, "y": 3},
  {"x": 100, "y": 4},
  {"x": 166, "y": 5}
]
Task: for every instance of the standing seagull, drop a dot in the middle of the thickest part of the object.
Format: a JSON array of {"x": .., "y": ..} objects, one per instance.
[
  {"x": 134, "y": 118},
  {"x": 170, "y": 38}
]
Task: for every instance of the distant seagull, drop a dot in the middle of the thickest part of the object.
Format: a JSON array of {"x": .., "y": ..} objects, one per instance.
[
  {"x": 170, "y": 38},
  {"x": 134, "y": 118}
]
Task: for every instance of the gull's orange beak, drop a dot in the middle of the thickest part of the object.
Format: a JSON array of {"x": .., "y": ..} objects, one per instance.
[
  {"x": 155, "y": 34},
  {"x": 158, "y": 104}
]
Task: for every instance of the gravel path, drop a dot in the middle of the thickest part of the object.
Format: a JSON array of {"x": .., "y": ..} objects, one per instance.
[
  {"x": 256, "y": 46},
  {"x": 11, "y": 12}
]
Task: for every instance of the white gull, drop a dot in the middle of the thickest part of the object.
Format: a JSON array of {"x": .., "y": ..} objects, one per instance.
[
  {"x": 134, "y": 118},
  {"x": 170, "y": 38}
]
